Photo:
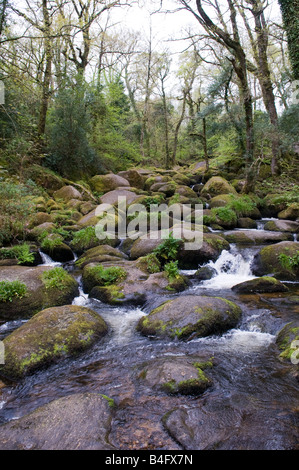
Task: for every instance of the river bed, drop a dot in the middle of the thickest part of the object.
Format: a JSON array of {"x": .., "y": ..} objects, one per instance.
[{"x": 254, "y": 395}]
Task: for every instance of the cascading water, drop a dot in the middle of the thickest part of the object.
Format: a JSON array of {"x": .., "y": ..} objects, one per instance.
[
  {"x": 47, "y": 260},
  {"x": 232, "y": 267}
]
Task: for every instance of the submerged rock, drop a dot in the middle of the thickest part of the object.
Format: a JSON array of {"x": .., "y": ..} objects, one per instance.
[
  {"x": 177, "y": 375},
  {"x": 50, "y": 335},
  {"x": 190, "y": 316},
  {"x": 232, "y": 423},
  {"x": 75, "y": 422}
]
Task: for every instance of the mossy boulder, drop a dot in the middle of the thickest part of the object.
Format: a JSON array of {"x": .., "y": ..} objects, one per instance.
[
  {"x": 39, "y": 218},
  {"x": 187, "y": 192},
  {"x": 273, "y": 259},
  {"x": 99, "y": 254},
  {"x": 112, "y": 197},
  {"x": 290, "y": 213},
  {"x": 67, "y": 193},
  {"x": 216, "y": 186},
  {"x": 40, "y": 292},
  {"x": 183, "y": 376},
  {"x": 190, "y": 316},
  {"x": 246, "y": 222},
  {"x": 211, "y": 248},
  {"x": 134, "y": 286},
  {"x": 55, "y": 247},
  {"x": 75, "y": 422},
  {"x": 135, "y": 179},
  {"x": 106, "y": 183},
  {"x": 155, "y": 179},
  {"x": 287, "y": 341},
  {"x": 260, "y": 285},
  {"x": 282, "y": 226},
  {"x": 49, "y": 336}
]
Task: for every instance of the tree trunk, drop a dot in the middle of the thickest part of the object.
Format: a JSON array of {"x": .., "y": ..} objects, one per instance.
[{"x": 48, "y": 72}]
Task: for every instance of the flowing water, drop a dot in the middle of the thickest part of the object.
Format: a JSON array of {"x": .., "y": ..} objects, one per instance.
[{"x": 247, "y": 376}]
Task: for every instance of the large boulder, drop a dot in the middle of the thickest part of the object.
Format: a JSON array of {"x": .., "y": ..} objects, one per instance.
[
  {"x": 291, "y": 212},
  {"x": 257, "y": 237},
  {"x": 106, "y": 183},
  {"x": 260, "y": 285},
  {"x": 99, "y": 254},
  {"x": 112, "y": 197},
  {"x": 282, "y": 226},
  {"x": 134, "y": 177},
  {"x": 67, "y": 193},
  {"x": 216, "y": 186},
  {"x": 130, "y": 283},
  {"x": 40, "y": 294},
  {"x": 274, "y": 260},
  {"x": 74, "y": 422},
  {"x": 190, "y": 316},
  {"x": 50, "y": 335}
]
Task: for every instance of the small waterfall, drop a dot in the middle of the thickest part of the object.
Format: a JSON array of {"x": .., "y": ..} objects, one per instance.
[
  {"x": 47, "y": 260},
  {"x": 232, "y": 267}
]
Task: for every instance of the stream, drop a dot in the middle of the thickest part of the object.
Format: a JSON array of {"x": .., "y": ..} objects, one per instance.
[{"x": 254, "y": 396}]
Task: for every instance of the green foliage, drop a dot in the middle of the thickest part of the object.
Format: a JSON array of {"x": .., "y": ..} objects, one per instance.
[
  {"x": 289, "y": 262},
  {"x": 168, "y": 250},
  {"x": 241, "y": 205},
  {"x": 290, "y": 16},
  {"x": 16, "y": 205},
  {"x": 172, "y": 270},
  {"x": 224, "y": 214},
  {"x": 56, "y": 278},
  {"x": 20, "y": 252},
  {"x": 70, "y": 124},
  {"x": 50, "y": 242},
  {"x": 9, "y": 290},
  {"x": 107, "y": 276},
  {"x": 84, "y": 239}
]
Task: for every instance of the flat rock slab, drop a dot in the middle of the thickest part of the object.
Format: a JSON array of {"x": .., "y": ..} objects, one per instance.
[{"x": 75, "y": 422}]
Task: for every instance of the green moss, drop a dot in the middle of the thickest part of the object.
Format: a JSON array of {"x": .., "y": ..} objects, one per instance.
[
  {"x": 111, "y": 401},
  {"x": 84, "y": 239}
]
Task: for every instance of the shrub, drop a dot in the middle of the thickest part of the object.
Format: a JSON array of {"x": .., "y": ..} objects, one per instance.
[
  {"x": 9, "y": 290},
  {"x": 16, "y": 205},
  {"x": 172, "y": 270},
  {"x": 168, "y": 250},
  {"x": 289, "y": 262}
]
